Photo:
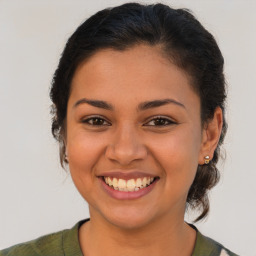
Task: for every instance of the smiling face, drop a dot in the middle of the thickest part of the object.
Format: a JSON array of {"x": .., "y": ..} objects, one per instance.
[{"x": 132, "y": 115}]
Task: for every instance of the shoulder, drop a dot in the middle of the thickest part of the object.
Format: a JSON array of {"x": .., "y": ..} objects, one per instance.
[
  {"x": 52, "y": 244},
  {"x": 206, "y": 246},
  {"x": 40, "y": 246}
]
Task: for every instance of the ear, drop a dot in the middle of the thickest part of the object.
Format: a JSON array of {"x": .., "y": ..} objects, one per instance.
[
  {"x": 66, "y": 149},
  {"x": 64, "y": 141},
  {"x": 211, "y": 135}
]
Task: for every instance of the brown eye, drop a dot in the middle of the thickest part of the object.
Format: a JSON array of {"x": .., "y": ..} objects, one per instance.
[
  {"x": 95, "y": 121},
  {"x": 160, "y": 121}
]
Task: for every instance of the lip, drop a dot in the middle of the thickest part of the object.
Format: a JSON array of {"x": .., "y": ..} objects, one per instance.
[{"x": 123, "y": 195}]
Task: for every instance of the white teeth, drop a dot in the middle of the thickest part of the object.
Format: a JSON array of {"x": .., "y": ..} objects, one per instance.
[
  {"x": 128, "y": 185},
  {"x": 121, "y": 183},
  {"x": 114, "y": 182},
  {"x": 144, "y": 182},
  {"x": 138, "y": 183},
  {"x": 131, "y": 189},
  {"x": 131, "y": 185},
  {"x": 109, "y": 181}
]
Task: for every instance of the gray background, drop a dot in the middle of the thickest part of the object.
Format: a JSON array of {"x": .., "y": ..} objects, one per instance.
[{"x": 36, "y": 196}]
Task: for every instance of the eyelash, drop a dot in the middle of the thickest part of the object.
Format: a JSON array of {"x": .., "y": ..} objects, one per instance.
[{"x": 170, "y": 122}]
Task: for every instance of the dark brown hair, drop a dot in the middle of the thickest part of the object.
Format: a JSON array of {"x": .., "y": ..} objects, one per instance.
[{"x": 183, "y": 40}]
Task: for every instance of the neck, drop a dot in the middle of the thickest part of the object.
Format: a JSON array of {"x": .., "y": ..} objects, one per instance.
[{"x": 161, "y": 237}]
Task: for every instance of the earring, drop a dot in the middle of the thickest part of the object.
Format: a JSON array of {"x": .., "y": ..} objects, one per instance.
[{"x": 206, "y": 160}]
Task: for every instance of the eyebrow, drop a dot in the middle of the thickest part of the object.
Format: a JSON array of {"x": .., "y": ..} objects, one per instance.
[{"x": 141, "y": 107}]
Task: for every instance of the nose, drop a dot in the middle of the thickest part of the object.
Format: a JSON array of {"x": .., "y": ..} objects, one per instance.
[{"x": 125, "y": 146}]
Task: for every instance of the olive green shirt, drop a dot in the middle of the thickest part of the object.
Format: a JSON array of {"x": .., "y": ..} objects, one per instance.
[{"x": 66, "y": 243}]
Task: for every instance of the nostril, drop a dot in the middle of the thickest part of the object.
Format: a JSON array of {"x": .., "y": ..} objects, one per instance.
[{"x": 126, "y": 151}]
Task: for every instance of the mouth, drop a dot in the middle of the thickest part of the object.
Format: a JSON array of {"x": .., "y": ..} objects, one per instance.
[{"x": 130, "y": 185}]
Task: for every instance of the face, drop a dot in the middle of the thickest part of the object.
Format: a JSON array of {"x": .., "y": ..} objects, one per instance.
[{"x": 134, "y": 119}]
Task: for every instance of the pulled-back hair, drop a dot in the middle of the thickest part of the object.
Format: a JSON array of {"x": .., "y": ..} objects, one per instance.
[{"x": 183, "y": 41}]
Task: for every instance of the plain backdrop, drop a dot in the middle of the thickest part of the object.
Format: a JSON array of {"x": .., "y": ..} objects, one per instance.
[{"x": 36, "y": 196}]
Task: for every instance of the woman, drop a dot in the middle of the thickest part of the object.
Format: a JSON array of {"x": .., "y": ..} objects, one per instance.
[{"x": 138, "y": 109}]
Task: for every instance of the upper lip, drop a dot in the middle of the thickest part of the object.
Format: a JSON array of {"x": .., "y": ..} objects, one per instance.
[{"x": 126, "y": 174}]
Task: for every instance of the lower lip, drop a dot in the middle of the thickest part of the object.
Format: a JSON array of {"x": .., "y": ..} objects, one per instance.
[{"x": 123, "y": 195}]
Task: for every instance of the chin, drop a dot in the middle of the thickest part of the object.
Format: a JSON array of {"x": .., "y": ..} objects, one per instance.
[
  {"x": 128, "y": 223},
  {"x": 129, "y": 219}
]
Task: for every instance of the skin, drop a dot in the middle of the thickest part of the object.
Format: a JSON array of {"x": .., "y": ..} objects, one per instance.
[{"x": 126, "y": 139}]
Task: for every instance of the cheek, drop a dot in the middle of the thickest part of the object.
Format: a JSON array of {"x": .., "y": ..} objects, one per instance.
[
  {"x": 83, "y": 152},
  {"x": 183, "y": 143},
  {"x": 177, "y": 154}
]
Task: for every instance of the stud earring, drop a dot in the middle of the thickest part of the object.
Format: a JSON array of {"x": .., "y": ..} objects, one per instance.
[{"x": 206, "y": 159}]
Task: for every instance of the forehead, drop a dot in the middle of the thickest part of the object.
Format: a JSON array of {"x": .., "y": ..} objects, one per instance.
[{"x": 141, "y": 71}]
